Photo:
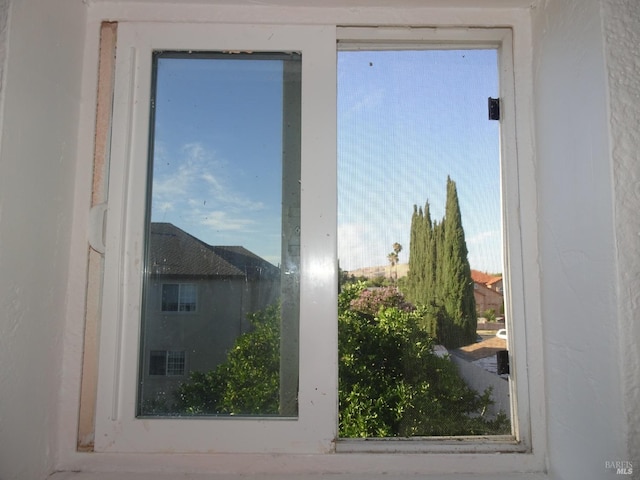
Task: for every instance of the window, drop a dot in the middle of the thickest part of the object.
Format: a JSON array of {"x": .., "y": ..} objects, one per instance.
[
  {"x": 283, "y": 251},
  {"x": 178, "y": 297},
  {"x": 225, "y": 211},
  {"x": 418, "y": 176},
  {"x": 139, "y": 214},
  {"x": 162, "y": 362}
]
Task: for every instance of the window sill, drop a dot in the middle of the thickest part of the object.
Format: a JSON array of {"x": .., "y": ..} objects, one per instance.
[
  {"x": 490, "y": 444},
  {"x": 308, "y": 476}
]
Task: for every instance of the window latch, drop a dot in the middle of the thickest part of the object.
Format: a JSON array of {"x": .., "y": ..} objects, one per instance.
[
  {"x": 494, "y": 108},
  {"x": 502, "y": 359},
  {"x": 97, "y": 222}
]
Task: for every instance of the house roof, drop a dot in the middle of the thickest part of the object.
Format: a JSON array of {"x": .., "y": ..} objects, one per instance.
[
  {"x": 484, "y": 278},
  {"x": 172, "y": 251}
]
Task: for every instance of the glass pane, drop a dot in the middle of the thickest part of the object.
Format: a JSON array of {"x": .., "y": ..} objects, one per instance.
[
  {"x": 220, "y": 308},
  {"x": 187, "y": 297},
  {"x": 157, "y": 362},
  {"x": 420, "y": 245},
  {"x": 170, "y": 297},
  {"x": 175, "y": 363}
]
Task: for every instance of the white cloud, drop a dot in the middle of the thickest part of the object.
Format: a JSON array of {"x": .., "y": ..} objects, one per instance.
[
  {"x": 222, "y": 221},
  {"x": 483, "y": 236},
  {"x": 194, "y": 187},
  {"x": 360, "y": 245}
]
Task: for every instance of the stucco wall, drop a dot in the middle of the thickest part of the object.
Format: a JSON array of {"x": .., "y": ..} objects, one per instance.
[
  {"x": 37, "y": 162},
  {"x": 586, "y": 424},
  {"x": 622, "y": 37}
]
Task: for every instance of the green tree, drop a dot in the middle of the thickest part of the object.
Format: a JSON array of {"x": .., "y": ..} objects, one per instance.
[
  {"x": 420, "y": 284},
  {"x": 456, "y": 283},
  {"x": 248, "y": 382},
  {"x": 394, "y": 258},
  {"x": 391, "y": 382},
  {"x": 411, "y": 284},
  {"x": 439, "y": 274}
]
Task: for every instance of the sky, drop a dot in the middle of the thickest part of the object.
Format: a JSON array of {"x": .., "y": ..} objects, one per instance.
[
  {"x": 406, "y": 120},
  {"x": 218, "y": 151}
]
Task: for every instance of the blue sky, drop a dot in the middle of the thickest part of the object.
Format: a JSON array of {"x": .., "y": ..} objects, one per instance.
[
  {"x": 406, "y": 120},
  {"x": 217, "y": 153}
]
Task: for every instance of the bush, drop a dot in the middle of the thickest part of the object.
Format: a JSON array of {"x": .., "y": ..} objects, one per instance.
[
  {"x": 489, "y": 315},
  {"x": 391, "y": 382},
  {"x": 370, "y": 300},
  {"x": 248, "y": 382}
]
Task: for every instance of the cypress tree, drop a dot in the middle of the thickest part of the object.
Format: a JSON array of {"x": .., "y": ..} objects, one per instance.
[
  {"x": 429, "y": 259},
  {"x": 415, "y": 254},
  {"x": 439, "y": 272},
  {"x": 456, "y": 284},
  {"x": 420, "y": 285}
]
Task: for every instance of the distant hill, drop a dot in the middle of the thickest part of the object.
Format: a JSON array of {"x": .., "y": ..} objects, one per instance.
[
  {"x": 403, "y": 269},
  {"x": 381, "y": 271}
]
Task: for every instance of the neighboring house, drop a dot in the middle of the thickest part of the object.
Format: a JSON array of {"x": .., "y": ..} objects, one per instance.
[
  {"x": 488, "y": 292},
  {"x": 197, "y": 300}
]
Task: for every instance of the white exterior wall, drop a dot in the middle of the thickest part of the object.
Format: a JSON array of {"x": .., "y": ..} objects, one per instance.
[
  {"x": 622, "y": 37},
  {"x": 586, "y": 88},
  {"x": 586, "y": 424},
  {"x": 41, "y": 88}
]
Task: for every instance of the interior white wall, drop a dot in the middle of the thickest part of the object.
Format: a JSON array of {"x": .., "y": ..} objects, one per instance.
[
  {"x": 37, "y": 162},
  {"x": 586, "y": 424}
]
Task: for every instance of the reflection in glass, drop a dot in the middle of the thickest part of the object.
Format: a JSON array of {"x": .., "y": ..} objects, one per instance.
[{"x": 220, "y": 310}]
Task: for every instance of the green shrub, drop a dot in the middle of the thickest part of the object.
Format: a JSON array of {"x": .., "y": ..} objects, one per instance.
[
  {"x": 391, "y": 382},
  {"x": 490, "y": 315},
  {"x": 248, "y": 382}
]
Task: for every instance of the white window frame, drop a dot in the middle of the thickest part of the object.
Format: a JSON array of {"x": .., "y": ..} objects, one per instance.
[
  {"x": 117, "y": 430},
  {"x": 313, "y": 431},
  {"x": 501, "y": 39}
]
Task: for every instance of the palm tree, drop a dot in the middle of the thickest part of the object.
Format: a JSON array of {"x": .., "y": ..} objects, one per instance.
[{"x": 393, "y": 258}]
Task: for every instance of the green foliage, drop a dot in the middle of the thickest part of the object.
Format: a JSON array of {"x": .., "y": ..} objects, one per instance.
[
  {"x": 457, "y": 294},
  {"x": 391, "y": 382},
  {"x": 490, "y": 315},
  {"x": 370, "y": 300},
  {"x": 439, "y": 272},
  {"x": 248, "y": 382}
]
